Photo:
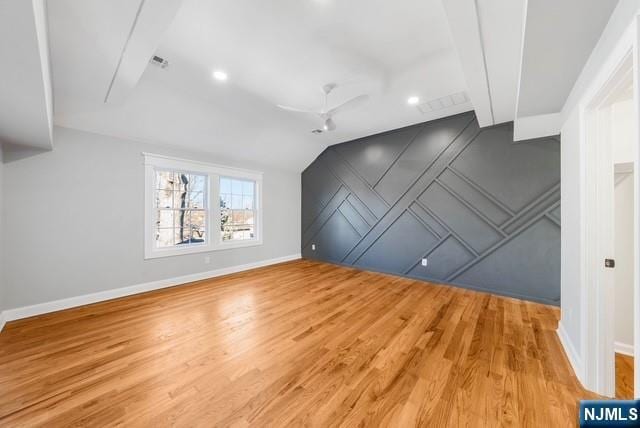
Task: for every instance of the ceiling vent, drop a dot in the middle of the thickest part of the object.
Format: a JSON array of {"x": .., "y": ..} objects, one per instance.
[
  {"x": 443, "y": 103},
  {"x": 159, "y": 61}
]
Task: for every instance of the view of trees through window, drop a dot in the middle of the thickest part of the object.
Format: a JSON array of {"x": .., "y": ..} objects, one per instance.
[
  {"x": 237, "y": 209},
  {"x": 181, "y": 213}
]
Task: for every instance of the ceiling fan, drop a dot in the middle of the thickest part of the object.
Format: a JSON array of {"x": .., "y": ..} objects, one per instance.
[{"x": 326, "y": 114}]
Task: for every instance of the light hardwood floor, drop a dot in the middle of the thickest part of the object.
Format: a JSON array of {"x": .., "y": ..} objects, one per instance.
[
  {"x": 288, "y": 345},
  {"x": 624, "y": 377}
]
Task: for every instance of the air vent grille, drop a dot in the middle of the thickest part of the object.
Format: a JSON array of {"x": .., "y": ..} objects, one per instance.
[
  {"x": 443, "y": 103},
  {"x": 159, "y": 61}
]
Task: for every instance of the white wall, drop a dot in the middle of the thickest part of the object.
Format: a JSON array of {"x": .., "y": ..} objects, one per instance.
[
  {"x": 75, "y": 220},
  {"x": 624, "y": 259},
  {"x": 2, "y": 292}
]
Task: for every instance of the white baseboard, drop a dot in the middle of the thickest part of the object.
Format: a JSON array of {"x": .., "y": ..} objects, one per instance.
[
  {"x": 623, "y": 348},
  {"x": 570, "y": 350},
  {"x": 87, "y": 299}
]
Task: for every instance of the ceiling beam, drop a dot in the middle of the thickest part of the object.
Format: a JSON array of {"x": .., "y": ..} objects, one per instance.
[
  {"x": 542, "y": 125},
  {"x": 465, "y": 29},
  {"x": 26, "y": 96},
  {"x": 152, "y": 19}
]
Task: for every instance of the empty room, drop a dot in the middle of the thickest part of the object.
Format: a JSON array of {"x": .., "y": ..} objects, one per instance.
[{"x": 244, "y": 213}]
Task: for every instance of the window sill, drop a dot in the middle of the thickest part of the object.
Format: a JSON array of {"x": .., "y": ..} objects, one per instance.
[
  {"x": 239, "y": 244},
  {"x": 171, "y": 252}
]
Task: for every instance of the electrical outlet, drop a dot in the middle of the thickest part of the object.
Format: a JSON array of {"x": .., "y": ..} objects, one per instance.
[
  {"x": 207, "y": 260},
  {"x": 313, "y": 247},
  {"x": 424, "y": 262}
]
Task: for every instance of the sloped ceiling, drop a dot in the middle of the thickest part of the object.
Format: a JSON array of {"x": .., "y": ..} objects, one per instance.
[
  {"x": 521, "y": 58},
  {"x": 559, "y": 38},
  {"x": 276, "y": 52},
  {"x": 505, "y": 59}
]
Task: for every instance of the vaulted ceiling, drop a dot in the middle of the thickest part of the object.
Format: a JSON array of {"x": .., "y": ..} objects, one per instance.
[
  {"x": 276, "y": 52},
  {"x": 453, "y": 55}
]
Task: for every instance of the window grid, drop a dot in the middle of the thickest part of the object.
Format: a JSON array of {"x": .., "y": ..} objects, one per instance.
[
  {"x": 237, "y": 209},
  {"x": 169, "y": 209},
  {"x": 181, "y": 214}
]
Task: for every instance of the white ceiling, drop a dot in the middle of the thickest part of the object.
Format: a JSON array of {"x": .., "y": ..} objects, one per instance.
[
  {"x": 509, "y": 59},
  {"x": 275, "y": 52},
  {"x": 559, "y": 38}
]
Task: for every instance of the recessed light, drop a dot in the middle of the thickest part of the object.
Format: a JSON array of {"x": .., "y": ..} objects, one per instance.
[
  {"x": 413, "y": 100},
  {"x": 220, "y": 75}
]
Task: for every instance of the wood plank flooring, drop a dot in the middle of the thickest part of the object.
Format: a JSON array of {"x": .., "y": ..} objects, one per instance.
[
  {"x": 301, "y": 343},
  {"x": 624, "y": 377}
]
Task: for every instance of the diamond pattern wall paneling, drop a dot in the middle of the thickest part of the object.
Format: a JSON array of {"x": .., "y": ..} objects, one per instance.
[{"x": 483, "y": 210}]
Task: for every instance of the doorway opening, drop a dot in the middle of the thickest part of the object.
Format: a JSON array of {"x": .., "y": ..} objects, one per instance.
[
  {"x": 624, "y": 255},
  {"x": 621, "y": 116}
]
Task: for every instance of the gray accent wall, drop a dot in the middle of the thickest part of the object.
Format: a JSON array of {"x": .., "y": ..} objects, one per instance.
[{"x": 483, "y": 210}]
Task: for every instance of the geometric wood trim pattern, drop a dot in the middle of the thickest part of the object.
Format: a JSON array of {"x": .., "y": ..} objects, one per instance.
[{"x": 483, "y": 211}]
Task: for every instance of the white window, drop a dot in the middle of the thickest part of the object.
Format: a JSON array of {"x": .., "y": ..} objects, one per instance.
[
  {"x": 237, "y": 209},
  {"x": 181, "y": 208},
  {"x": 181, "y": 217}
]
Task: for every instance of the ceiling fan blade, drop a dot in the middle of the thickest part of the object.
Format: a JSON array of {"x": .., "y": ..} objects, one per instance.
[
  {"x": 329, "y": 124},
  {"x": 353, "y": 102},
  {"x": 297, "y": 110}
]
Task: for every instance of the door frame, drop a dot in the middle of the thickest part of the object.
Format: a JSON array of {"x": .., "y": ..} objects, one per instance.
[{"x": 597, "y": 305}]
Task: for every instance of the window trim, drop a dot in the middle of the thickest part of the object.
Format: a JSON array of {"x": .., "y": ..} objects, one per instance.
[
  {"x": 256, "y": 209},
  {"x": 152, "y": 162}
]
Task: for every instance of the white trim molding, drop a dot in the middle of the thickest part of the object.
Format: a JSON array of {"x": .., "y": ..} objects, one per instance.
[
  {"x": 623, "y": 348},
  {"x": 572, "y": 355},
  {"x": 187, "y": 164},
  {"x": 213, "y": 173},
  {"x": 3, "y": 321},
  {"x": 101, "y": 296},
  {"x": 597, "y": 171}
]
